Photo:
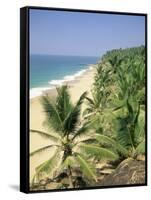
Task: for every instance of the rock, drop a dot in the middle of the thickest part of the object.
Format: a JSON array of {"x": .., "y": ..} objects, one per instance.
[
  {"x": 65, "y": 181},
  {"x": 100, "y": 178},
  {"x": 128, "y": 172},
  {"x": 107, "y": 171},
  {"x": 103, "y": 165},
  {"x": 51, "y": 186},
  {"x": 141, "y": 157},
  {"x": 43, "y": 182}
]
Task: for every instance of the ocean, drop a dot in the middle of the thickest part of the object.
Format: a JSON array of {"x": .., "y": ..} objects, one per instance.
[{"x": 49, "y": 71}]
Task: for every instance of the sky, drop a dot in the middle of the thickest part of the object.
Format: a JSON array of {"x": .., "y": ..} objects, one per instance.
[{"x": 85, "y": 34}]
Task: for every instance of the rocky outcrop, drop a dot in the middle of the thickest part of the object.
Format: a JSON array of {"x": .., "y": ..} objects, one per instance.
[{"x": 128, "y": 172}]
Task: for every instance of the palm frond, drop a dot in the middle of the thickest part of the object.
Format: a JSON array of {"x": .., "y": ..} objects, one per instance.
[
  {"x": 140, "y": 128},
  {"x": 50, "y": 165},
  {"x": 70, "y": 123},
  {"x": 90, "y": 101},
  {"x": 87, "y": 111},
  {"x": 63, "y": 102},
  {"x": 69, "y": 161},
  {"x": 141, "y": 148},
  {"x": 123, "y": 133},
  {"x": 82, "y": 130},
  {"x": 53, "y": 138},
  {"x": 86, "y": 138},
  {"x": 97, "y": 152},
  {"x": 111, "y": 142},
  {"x": 122, "y": 150},
  {"x": 118, "y": 104},
  {"x": 52, "y": 114},
  {"x": 41, "y": 150},
  {"x": 87, "y": 169},
  {"x": 103, "y": 139}
]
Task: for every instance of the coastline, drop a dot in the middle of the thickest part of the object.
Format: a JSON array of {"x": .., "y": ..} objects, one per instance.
[
  {"x": 66, "y": 79},
  {"x": 76, "y": 87}
]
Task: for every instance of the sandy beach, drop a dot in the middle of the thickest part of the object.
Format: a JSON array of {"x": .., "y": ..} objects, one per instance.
[{"x": 37, "y": 117}]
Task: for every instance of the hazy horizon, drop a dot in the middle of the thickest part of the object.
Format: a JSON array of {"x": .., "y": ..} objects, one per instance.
[{"x": 83, "y": 34}]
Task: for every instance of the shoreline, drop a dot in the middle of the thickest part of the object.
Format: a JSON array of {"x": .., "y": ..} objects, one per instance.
[
  {"x": 68, "y": 79},
  {"x": 37, "y": 117}
]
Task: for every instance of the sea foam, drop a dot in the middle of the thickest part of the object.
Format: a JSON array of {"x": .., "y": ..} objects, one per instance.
[
  {"x": 34, "y": 92},
  {"x": 59, "y": 82}
]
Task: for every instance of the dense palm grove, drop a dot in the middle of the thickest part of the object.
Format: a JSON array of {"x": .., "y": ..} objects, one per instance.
[{"x": 110, "y": 130}]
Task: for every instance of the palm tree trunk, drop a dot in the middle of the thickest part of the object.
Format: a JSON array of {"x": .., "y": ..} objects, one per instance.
[{"x": 70, "y": 177}]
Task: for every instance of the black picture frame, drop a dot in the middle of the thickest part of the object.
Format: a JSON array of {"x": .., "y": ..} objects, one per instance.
[{"x": 24, "y": 96}]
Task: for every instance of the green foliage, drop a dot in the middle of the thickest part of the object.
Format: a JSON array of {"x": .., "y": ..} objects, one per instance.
[
  {"x": 52, "y": 137},
  {"x": 140, "y": 148},
  {"x": 49, "y": 165},
  {"x": 72, "y": 119},
  {"x": 116, "y": 109},
  {"x": 112, "y": 126},
  {"x": 68, "y": 140},
  {"x": 98, "y": 152},
  {"x": 87, "y": 168},
  {"x": 112, "y": 143}
]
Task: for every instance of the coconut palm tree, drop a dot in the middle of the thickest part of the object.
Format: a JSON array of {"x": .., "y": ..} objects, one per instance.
[
  {"x": 128, "y": 136},
  {"x": 130, "y": 128},
  {"x": 131, "y": 80},
  {"x": 97, "y": 106},
  {"x": 72, "y": 143},
  {"x": 115, "y": 62}
]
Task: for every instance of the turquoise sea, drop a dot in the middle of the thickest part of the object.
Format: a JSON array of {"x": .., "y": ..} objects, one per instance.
[{"x": 48, "y": 71}]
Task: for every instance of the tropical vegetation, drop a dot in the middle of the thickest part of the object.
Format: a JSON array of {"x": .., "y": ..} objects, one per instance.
[{"x": 111, "y": 128}]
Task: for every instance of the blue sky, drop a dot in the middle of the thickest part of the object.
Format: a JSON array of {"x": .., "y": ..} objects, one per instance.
[{"x": 85, "y": 34}]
